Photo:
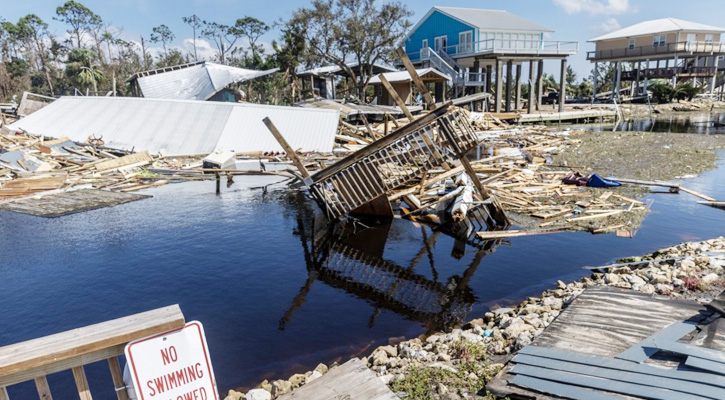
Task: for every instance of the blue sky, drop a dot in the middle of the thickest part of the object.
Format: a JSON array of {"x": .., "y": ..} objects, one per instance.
[{"x": 577, "y": 20}]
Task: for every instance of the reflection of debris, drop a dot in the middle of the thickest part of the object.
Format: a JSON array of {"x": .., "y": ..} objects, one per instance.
[{"x": 59, "y": 204}]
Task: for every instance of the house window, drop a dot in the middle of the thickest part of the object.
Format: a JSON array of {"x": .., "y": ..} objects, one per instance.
[
  {"x": 709, "y": 38},
  {"x": 465, "y": 42},
  {"x": 659, "y": 41},
  {"x": 631, "y": 43}
]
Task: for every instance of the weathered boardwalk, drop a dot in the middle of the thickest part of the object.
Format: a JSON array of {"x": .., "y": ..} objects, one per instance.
[
  {"x": 605, "y": 322},
  {"x": 350, "y": 381},
  {"x": 56, "y": 205}
]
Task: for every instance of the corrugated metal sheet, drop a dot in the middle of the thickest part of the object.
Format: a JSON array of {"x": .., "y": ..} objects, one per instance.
[
  {"x": 404, "y": 76},
  {"x": 197, "y": 82},
  {"x": 654, "y": 26},
  {"x": 181, "y": 126},
  {"x": 492, "y": 20}
]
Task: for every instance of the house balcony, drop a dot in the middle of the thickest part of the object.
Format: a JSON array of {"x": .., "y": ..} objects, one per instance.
[
  {"x": 503, "y": 47},
  {"x": 668, "y": 73},
  {"x": 669, "y": 49}
]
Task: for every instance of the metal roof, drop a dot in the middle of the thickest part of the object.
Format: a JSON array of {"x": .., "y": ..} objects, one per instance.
[
  {"x": 336, "y": 70},
  {"x": 486, "y": 20},
  {"x": 658, "y": 26},
  {"x": 182, "y": 126},
  {"x": 404, "y": 76},
  {"x": 195, "y": 82}
]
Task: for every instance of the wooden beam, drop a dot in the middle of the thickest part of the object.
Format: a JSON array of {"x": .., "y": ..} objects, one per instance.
[
  {"x": 79, "y": 375},
  {"x": 46, "y": 352},
  {"x": 416, "y": 79},
  {"x": 396, "y": 98},
  {"x": 496, "y": 211},
  {"x": 4, "y": 394},
  {"x": 117, "y": 377},
  {"x": 288, "y": 149},
  {"x": 43, "y": 388},
  {"x": 368, "y": 127}
]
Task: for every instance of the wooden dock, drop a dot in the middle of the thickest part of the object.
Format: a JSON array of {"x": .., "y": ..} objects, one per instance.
[
  {"x": 605, "y": 322},
  {"x": 350, "y": 381},
  {"x": 59, "y": 204},
  {"x": 567, "y": 116}
]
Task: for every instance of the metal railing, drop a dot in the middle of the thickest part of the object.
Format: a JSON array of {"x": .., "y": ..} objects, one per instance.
[
  {"x": 651, "y": 50},
  {"x": 71, "y": 350}
]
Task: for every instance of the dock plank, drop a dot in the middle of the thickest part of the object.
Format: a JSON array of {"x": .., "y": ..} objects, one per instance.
[
  {"x": 59, "y": 204},
  {"x": 350, "y": 381}
]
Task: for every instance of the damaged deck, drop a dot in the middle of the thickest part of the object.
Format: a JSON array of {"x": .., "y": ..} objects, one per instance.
[
  {"x": 60, "y": 204},
  {"x": 605, "y": 322}
]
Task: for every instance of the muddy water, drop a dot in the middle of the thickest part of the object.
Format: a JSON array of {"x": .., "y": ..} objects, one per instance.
[
  {"x": 689, "y": 122},
  {"x": 276, "y": 292}
]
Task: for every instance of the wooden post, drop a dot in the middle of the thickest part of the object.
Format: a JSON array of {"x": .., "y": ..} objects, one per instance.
[
  {"x": 43, "y": 388},
  {"x": 416, "y": 79},
  {"x": 117, "y": 377},
  {"x": 79, "y": 375},
  {"x": 218, "y": 182},
  {"x": 367, "y": 126},
  {"x": 530, "y": 106},
  {"x": 489, "y": 88},
  {"x": 395, "y": 97},
  {"x": 594, "y": 81},
  {"x": 509, "y": 77},
  {"x": 539, "y": 84},
  {"x": 290, "y": 152},
  {"x": 499, "y": 86},
  {"x": 517, "y": 102},
  {"x": 562, "y": 85},
  {"x": 4, "y": 394}
]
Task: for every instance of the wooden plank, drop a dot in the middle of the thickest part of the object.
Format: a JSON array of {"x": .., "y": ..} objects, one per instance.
[
  {"x": 427, "y": 98},
  {"x": 696, "y": 194},
  {"x": 708, "y": 365},
  {"x": 617, "y": 364},
  {"x": 560, "y": 389},
  {"x": 117, "y": 377},
  {"x": 59, "y": 204},
  {"x": 489, "y": 235},
  {"x": 597, "y": 216},
  {"x": 622, "y": 375},
  {"x": 396, "y": 98},
  {"x": 41, "y": 384},
  {"x": 79, "y": 375},
  {"x": 643, "y": 350},
  {"x": 288, "y": 149},
  {"x": 671, "y": 185},
  {"x": 55, "y": 348},
  {"x": 350, "y": 381},
  {"x": 129, "y": 159},
  {"x": 629, "y": 389},
  {"x": 4, "y": 393}
]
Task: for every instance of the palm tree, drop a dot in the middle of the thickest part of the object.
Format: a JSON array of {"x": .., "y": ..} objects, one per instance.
[{"x": 84, "y": 68}]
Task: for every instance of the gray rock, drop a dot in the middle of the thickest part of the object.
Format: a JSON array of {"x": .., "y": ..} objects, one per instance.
[
  {"x": 687, "y": 264},
  {"x": 392, "y": 351},
  {"x": 524, "y": 339},
  {"x": 315, "y": 375},
  {"x": 612, "y": 279},
  {"x": 554, "y": 303},
  {"x": 515, "y": 328},
  {"x": 258, "y": 394},
  {"x": 280, "y": 387},
  {"x": 647, "y": 289},
  {"x": 321, "y": 368},
  {"x": 709, "y": 279},
  {"x": 380, "y": 357},
  {"x": 386, "y": 379}
]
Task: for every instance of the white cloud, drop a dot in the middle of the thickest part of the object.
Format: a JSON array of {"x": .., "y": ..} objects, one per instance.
[
  {"x": 204, "y": 49},
  {"x": 610, "y": 25},
  {"x": 595, "y": 7}
]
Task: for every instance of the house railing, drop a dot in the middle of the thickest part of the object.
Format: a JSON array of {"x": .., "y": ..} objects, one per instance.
[
  {"x": 666, "y": 73},
  {"x": 505, "y": 46},
  {"x": 71, "y": 350},
  {"x": 652, "y": 50}
]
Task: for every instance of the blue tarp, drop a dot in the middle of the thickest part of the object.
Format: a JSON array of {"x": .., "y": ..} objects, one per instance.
[{"x": 597, "y": 181}]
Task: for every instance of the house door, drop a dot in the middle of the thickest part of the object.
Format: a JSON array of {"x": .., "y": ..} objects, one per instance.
[{"x": 441, "y": 42}]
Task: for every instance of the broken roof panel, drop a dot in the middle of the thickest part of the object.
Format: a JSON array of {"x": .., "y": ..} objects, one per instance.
[
  {"x": 194, "y": 82},
  {"x": 181, "y": 126},
  {"x": 658, "y": 26},
  {"x": 336, "y": 70}
]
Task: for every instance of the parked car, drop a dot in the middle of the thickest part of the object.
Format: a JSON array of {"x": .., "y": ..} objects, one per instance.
[{"x": 553, "y": 98}]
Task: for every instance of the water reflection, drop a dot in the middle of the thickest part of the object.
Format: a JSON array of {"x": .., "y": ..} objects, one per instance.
[
  {"x": 350, "y": 257},
  {"x": 703, "y": 123}
]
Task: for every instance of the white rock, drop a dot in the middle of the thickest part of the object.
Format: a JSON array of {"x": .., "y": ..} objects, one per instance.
[
  {"x": 258, "y": 394},
  {"x": 710, "y": 279},
  {"x": 313, "y": 376}
]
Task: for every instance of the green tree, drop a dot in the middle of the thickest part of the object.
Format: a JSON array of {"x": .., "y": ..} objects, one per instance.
[
  {"x": 288, "y": 56},
  {"x": 80, "y": 18},
  {"x": 603, "y": 74},
  {"x": 82, "y": 67},
  {"x": 252, "y": 29},
  {"x": 570, "y": 79},
  {"x": 661, "y": 89},
  {"x": 195, "y": 23},
  {"x": 345, "y": 31},
  {"x": 162, "y": 34}
]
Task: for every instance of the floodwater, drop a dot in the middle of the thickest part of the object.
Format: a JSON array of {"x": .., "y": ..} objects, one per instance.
[
  {"x": 684, "y": 122},
  {"x": 276, "y": 290}
]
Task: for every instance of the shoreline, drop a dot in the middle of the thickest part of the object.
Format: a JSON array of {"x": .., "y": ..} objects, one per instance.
[{"x": 457, "y": 364}]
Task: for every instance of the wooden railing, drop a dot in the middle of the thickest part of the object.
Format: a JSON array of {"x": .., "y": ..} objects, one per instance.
[
  {"x": 71, "y": 350},
  {"x": 651, "y": 50}
]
